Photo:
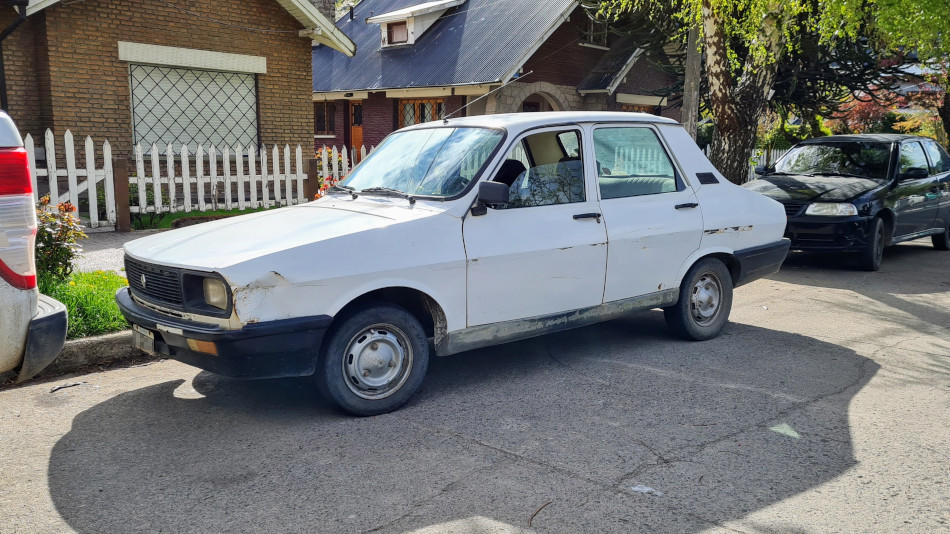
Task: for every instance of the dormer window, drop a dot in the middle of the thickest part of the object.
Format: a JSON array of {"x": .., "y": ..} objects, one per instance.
[
  {"x": 403, "y": 27},
  {"x": 397, "y": 33}
]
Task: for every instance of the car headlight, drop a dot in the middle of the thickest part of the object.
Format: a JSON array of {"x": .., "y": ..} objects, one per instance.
[
  {"x": 215, "y": 292},
  {"x": 831, "y": 209}
]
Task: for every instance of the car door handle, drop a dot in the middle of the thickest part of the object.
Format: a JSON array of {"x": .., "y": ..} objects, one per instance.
[
  {"x": 687, "y": 205},
  {"x": 588, "y": 216}
]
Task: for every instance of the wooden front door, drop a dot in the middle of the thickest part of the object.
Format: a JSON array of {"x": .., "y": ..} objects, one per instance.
[{"x": 356, "y": 124}]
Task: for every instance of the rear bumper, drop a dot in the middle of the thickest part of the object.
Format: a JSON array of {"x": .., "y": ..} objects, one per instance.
[
  {"x": 757, "y": 262},
  {"x": 261, "y": 350},
  {"x": 45, "y": 338}
]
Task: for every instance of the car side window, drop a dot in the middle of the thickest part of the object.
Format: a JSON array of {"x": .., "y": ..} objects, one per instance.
[
  {"x": 543, "y": 169},
  {"x": 912, "y": 157},
  {"x": 938, "y": 157},
  {"x": 632, "y": 162}
]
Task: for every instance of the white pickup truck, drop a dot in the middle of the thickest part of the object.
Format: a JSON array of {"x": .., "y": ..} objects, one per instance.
[
  {"x": 32, "y": 326},
  {"x": 458, "y": 234}
]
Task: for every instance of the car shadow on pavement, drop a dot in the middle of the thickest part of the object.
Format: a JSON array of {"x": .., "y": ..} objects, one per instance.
[{"x": 614, "y": 427}]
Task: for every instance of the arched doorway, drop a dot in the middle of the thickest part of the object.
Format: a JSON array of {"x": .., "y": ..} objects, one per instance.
[{"x": 539, "y": 102}]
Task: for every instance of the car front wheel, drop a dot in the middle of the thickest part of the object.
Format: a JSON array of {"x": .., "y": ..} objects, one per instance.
[
  {"x": 374, "y": 361},
  {"x": 704, "y": 303},
  {"x": 873, "y": 254},
  {"x": 942, "y": 241}
]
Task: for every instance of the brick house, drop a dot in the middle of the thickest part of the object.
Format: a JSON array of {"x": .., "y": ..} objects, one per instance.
[
  {"x": 418, "y": 61},
  {"x": 186, "y": 72}
]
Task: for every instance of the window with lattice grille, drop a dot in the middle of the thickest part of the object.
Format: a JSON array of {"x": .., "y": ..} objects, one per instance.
[
  {"x": 192, "y": 107},
  {"x": 417, "y": 111}
]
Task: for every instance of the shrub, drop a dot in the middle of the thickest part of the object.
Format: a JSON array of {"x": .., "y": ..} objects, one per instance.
[{"x": 56, "y": 241}]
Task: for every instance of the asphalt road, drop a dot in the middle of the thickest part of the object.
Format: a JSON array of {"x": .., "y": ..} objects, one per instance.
[{"x": 823, "y": 407}]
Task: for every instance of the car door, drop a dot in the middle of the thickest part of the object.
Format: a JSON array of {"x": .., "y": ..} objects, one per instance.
[
  {"x": 544, "y": 252},
  {"x": 653, "y": 219},
  {"x": 940, "y": 168},
  {"x": 914, "y": 200}
]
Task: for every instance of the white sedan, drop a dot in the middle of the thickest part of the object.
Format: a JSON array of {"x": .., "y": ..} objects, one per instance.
[{"x": 457, "y": 234}]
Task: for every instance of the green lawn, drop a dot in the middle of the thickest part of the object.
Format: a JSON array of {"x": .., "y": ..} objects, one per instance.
[{"x": 90, "y": 302}]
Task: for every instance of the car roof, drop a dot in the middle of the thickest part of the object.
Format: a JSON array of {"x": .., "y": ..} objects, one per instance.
[
  {"x": 861, "y": 138},
  {"x": 524, "y": 121}
]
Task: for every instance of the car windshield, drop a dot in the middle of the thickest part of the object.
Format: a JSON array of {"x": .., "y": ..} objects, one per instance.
[
  {"x": 849, "y": 159},
  {"x": 437, "y": 162}
]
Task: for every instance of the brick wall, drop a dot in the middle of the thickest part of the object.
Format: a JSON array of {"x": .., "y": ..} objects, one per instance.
[
  {"x": 643, "y": 79},
  {"x": 560, "y": 60},
  {"x": 89, "y": 86},
  {"x": 27, "y": 71}
]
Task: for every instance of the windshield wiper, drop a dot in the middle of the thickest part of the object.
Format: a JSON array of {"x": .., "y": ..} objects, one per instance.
[
  {"x": 345, "y": 189},
  {"x": 389, "y": 191}
]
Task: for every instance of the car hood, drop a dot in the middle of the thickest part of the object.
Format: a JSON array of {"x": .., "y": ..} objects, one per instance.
[
  {"x": 226, "y": 242},
  {"x": 803, "y": 188}
]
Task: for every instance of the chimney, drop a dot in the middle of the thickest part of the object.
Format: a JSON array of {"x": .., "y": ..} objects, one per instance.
[{"x": 327, "y": 7}]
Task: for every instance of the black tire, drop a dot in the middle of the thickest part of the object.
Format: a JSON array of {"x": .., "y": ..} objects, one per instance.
[
  {"x": 373, "y": 361},
  {"x": 705, "y": 301},
  {"x": 942, "y": 241},
  {"x": 873, "y": 253}
]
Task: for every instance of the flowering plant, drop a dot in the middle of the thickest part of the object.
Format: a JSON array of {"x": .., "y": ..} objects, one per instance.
[
  {"x": 56, "y": 239},
  {"x": 325, "y": 184}
]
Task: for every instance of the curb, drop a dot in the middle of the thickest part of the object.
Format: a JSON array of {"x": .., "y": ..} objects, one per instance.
[
  {"x": 81, "y": 355},
  {"x": 96, "y": 350}
]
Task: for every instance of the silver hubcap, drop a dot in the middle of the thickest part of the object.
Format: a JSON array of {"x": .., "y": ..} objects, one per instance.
[
  {"x": 377, "y": 361},
  {"x": 705, "y": 298}
]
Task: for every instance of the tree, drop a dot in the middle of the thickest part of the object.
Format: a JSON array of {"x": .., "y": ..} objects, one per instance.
[
  {"x": 918, "y": 27},
  {"x": 742, "y": 39}
]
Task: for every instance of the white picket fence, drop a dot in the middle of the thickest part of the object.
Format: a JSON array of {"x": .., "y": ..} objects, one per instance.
[
  {"x": 90, "y": 174},
  {"x": 171, "y": 181},
  {"x": 220, "y": 179}
]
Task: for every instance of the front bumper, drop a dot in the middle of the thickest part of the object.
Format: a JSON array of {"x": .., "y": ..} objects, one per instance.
[
  {"x": 828, "y": 234},
  {"x": 761, "y": 261},
  {"x": 45, "y": 338},
  {"x": 260, "y": 350}
]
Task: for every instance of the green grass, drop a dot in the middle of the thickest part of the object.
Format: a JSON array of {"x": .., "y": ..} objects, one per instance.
[
  {"x": 165, "y": 220},
  {"x": 90, "y": 302}
]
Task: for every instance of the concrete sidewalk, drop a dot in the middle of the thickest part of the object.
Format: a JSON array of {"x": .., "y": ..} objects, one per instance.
[{"x": 102, "y": 251}]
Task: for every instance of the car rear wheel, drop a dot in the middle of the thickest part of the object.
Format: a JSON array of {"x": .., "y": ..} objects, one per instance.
[
  {"x": 873, "y": 253},
  {"x": 942, "y": 241},
  {"x": 374, "y": 361},
  {"x": 704, "y": 303}
]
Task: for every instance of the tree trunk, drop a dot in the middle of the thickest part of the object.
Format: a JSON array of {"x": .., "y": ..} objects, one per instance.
[
  {"x": 737, "y": 105},
  {"x": 731, "y": 150}
]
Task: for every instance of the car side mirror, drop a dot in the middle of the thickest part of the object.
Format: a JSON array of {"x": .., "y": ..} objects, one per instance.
[
  {"x": 761, "y": 169},
  {"x": 490, "y": 194},
  {"x": 914, "y": 173}
]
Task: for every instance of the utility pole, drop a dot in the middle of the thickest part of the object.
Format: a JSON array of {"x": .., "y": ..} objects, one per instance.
[{"x": 691, "y": 82}]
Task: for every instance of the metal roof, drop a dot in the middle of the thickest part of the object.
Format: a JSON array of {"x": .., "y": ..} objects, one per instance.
[
  {"x": 612, "y": 67},
  {"x": 480, "y": 41}
]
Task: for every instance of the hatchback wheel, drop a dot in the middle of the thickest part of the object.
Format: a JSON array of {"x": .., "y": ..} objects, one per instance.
[
  {"x": 873, "y": 254},
  {"x": 704, "y": 303},
  {"x": 942, "y": 241},
  {"x": 374, "y": 361}
]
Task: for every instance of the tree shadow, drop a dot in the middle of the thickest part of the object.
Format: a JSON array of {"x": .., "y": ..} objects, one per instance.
[
  {"x": 905, "y": 297},
  {"x": 575, "y": 420}
]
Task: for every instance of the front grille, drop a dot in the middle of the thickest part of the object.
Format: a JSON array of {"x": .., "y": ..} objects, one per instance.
[
  {"x": 154, "y": 282},
  {"x": 793, "y": 210}
]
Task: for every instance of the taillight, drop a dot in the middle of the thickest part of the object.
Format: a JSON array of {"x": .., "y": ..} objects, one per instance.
[{"x": 17, "y": 220}]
